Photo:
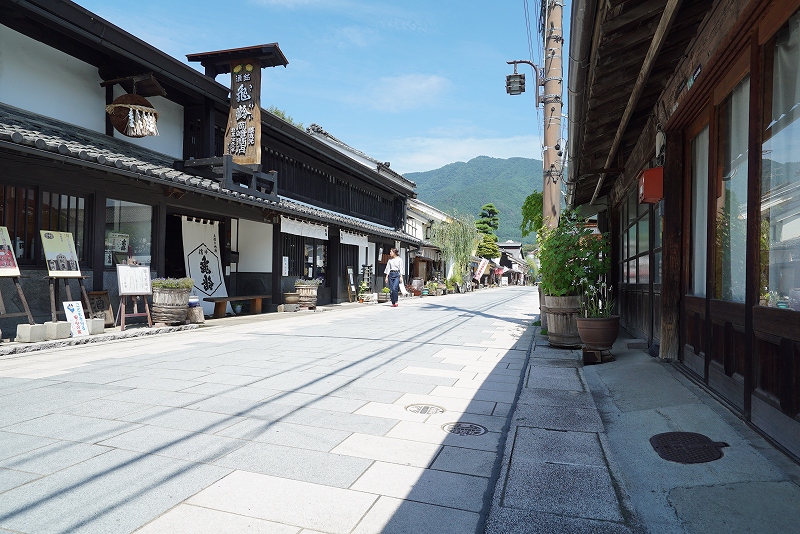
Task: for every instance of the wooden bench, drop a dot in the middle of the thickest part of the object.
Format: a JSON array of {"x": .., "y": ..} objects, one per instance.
[{"x": 220, "y": 303}]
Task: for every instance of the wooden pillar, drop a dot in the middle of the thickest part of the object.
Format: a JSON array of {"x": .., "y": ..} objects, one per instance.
[
  {"x": 159, "y": 247},
  {"x": 753, "y": 249},
  {"x": 109, "y": 100},
  {"x": 277, "y": 262},
  {"x": 207, "y": 127},
  {"x": 98, "y": 233},
  {"x": 334, "y": 254},
  {"x": 671, "y": 287}
]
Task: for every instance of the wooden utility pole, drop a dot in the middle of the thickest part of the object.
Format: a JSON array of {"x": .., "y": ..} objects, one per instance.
[{"x": 551, "y": 99}]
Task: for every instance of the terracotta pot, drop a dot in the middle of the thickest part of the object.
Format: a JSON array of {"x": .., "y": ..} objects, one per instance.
[
  {"x": 598, "y": 333},
  {"x": 562, "y": 327},
  {"x": 291, "y": 298}
]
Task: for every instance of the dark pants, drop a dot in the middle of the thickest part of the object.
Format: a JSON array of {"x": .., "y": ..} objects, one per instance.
[{"x": 394, "y": 285}]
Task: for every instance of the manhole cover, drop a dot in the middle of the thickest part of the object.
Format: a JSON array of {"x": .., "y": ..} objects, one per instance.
[
  {"x": 464, "y": 429},
  {"x": 425, "y": 409},
  {"x": 687, "y": 447}
]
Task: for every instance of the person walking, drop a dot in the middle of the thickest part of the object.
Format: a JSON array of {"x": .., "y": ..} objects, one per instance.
[{"x": 394, "y": 270}]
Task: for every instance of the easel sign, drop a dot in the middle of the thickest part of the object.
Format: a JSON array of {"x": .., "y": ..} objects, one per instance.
[
  {"x": 76, "y": 319},
  {"x": 60, "y": 255},
  {"x": 8, "y": 263},
  {"x": 10, "y": 269},
  {"x": 351, "y": 287},
  {"x": 134, "y": 280}
]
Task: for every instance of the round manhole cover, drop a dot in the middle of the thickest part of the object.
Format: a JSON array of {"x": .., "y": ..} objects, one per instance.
[
  {"x": 687, "y": 447},
  {"x": 464, "y": 429},
  {"x": 425, "y": 409}
]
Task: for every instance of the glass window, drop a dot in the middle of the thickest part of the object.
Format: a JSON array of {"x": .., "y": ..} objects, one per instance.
[
  {"x": 632, "y": 210},
  {"x": 731, "y": 212},
  {"x": 129, "y": 233},
  {"x": 632, "y": 241},
  {"x": 699, "y": 210},
  {"x": 644, "y": 234},
  {"x": 644, "y": 269},
  {"x": 780, "y": 186},
  {"x": 659, "y": 222}
]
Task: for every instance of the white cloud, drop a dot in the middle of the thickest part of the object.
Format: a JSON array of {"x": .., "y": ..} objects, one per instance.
[
  {"x": 402, "y": 93},
  {"x": 415, "y": 154},
  {"x": 353, "y": 36}
]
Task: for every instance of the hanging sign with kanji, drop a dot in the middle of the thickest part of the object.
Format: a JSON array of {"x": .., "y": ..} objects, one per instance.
[{"x": 243, "y": 134}]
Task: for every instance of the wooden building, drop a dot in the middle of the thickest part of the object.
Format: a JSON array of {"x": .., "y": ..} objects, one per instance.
[
  {"x": 683, "y": 134},
  {"x": 65, "y": 167}
]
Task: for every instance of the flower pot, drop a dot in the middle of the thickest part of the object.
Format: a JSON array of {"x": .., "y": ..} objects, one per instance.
[
  {"x": 383, "y": 297},
  {"x": 170, "y": 305},
  {"x": 562, "y": 326},
  {"x": 598, "y": 333},
  {"x": 291, "y": 298}
]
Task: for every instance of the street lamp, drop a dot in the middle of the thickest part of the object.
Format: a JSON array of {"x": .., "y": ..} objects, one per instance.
[{"x": 515, "y": 83}]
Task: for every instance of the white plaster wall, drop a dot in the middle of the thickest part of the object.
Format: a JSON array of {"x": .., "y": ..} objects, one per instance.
[
  {"x": 43, "y": 80},
  {"x": 170, "y": 127},
  {"x": 255, "y": 247}
]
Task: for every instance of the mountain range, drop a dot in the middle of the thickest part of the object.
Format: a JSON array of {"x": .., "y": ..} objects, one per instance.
[{"x": 465, "y": 187}]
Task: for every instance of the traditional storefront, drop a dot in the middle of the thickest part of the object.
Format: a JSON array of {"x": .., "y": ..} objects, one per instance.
[
  {"x": 65, "y": 167},
  {"x": 707, "y": 260}
]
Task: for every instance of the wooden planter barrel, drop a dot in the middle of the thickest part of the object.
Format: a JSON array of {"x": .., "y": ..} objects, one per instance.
[
  {"x": 562, "y": 321},
  {"x": 308, "y": 296},
  {"x": 170, "y": 305}
]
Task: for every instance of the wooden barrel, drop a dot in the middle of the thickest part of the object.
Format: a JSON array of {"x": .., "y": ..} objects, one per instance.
[
  {"x": 562, "y": 321},
  {"x": 170, "y": 305}
]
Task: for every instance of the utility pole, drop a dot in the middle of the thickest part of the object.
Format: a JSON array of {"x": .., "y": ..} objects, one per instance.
[
  {"x": 553, "y": 35},
  {"x": 550, "y": 79}
]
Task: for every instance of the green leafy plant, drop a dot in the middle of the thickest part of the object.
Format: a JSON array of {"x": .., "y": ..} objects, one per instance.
[
  {"x": 363, "y": 288},
  {"x": 488, "y": 248},
  {"x": 451, "y": 284},
  {"x": 456, "y": 238},
  {"x": 597, "y": 301},
  {"x": 432, "y": 286},
  {"x": 172, "y": 283},
  {"x": 386, "y": 290},
  {"x": 532, "y": 216},
  {"x": 571, "y": 254}
]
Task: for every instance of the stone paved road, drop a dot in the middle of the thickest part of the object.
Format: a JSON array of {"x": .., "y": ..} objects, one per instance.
[{"x": 297, "y": 425}]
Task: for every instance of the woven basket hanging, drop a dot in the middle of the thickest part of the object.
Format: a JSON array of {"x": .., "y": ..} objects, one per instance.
[{"x": 133, "y": 115}]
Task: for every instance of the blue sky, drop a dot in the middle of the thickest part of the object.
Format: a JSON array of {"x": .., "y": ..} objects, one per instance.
[{"x": 418, "y": 83}]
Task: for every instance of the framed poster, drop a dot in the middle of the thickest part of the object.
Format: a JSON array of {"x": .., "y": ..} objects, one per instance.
[
  {"x": 8, "y": 261},
  {"x": 101, "y": 307},
  {"x": 133, "y": 280},
  {"x": 59, "y": 254}
]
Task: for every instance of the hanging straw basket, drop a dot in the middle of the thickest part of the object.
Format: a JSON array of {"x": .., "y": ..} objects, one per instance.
[{"x": 133, "y": 115}]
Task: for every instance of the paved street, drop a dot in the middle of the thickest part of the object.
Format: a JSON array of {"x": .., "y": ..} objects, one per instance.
[{"x": 335, "y": 422}]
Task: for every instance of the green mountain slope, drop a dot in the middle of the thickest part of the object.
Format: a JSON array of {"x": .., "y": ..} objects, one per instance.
[{"x": 465, "y": 187}]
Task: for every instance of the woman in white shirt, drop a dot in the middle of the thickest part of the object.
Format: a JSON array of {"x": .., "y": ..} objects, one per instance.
[{"x": 394, "y": 270}]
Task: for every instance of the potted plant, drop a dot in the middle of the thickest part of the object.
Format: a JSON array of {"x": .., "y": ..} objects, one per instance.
[
  {"x": 571, "y": 255},
  {"x": 433, "y": 289},
  {"x": 170, "y": 299},
  {"x": 598, "y": 327},
  {"x": 308, "y": 292},
  {"x": 363, "y": 289},
  {"x": 383, "y": 296}
]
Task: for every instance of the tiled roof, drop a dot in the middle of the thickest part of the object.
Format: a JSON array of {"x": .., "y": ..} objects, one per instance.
[
  {"x": 69, "y": 142},
  {"x": 379, "y": 166}
]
